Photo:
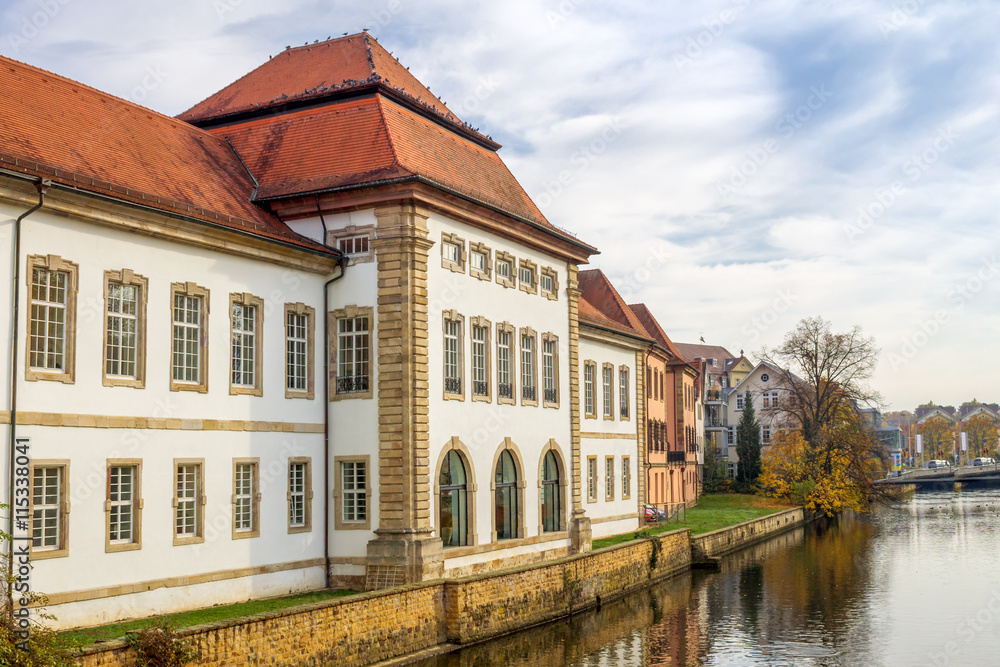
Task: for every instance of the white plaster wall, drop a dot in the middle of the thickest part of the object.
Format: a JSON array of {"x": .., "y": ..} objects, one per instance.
[
  {"x": 170, "y": 600},
  {"x": 600, "y": 353},
  {"x": 96, "y": 249},
  {"x": 609, "y": 528},
  {"x": 481, "y": 426},
  {"x": 602, "y": 449}
]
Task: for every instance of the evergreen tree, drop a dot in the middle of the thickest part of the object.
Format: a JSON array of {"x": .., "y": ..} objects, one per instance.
[{"x": 748, "y": 446}]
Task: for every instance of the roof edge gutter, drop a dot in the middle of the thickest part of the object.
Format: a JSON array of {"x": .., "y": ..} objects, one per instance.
[{"x": 329, "y": 253}]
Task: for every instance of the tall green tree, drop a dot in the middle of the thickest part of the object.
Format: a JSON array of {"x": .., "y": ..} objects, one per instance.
[{"x": 748, "y": 446}]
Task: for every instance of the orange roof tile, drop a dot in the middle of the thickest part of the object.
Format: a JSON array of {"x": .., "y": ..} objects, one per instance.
[
  {"x": 79, "y": 136},
  {"x": 599, "y": 292},
  {"x": 653, "y": 327},
  {"x": 589, "y": 313},
  {"x": 366, "y": 140},
  {"x": 312, "y": 72}
]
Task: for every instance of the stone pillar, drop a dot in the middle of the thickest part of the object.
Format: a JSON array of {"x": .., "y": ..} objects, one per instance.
[
  {"x": 640, "y": 430},
  {"x": 579, "y": 522},
  {"x": 404, "y": 549}
]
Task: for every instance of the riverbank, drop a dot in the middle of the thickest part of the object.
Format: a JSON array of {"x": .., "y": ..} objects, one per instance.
[{"x": 383, "y": 625}]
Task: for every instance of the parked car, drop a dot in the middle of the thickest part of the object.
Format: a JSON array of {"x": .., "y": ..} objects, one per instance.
[
  {"x": 938, "y": 463},
  {"x": 983, "y": 461}
]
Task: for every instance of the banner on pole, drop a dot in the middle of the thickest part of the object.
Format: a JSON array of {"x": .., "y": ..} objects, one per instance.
[
  {"x": 920, "y": 443},
  {"x": 965, "y": 441}
]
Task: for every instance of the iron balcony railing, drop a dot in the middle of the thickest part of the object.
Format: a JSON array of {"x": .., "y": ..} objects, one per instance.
[
  {"x": 528, "y": 393},
  {"x": 675, "y": 457},
  {"x": 453, "y": 385},
  {"x": 624, "y": 411},
  {"x": 481, "y": 388},
  {"x": 551, "y": 395},
  {"x": 353, "y": 384},
  {"x": 505, "y": 390}
]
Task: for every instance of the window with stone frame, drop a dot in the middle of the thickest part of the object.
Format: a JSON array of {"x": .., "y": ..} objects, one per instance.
[
  {"x": 189, "y": 361},
  {"x": 453, "y": 254},
  {"x": 123, "y": 505},
  {"x": 50, "y": 505},
  {"x": 125, "y": 298},
  {"x": 300, "y": 336},
  {"x": 454, "y": 361},
  {"x": 550, "y": 370},
  {"x": 246, "y": 320},
  {"x": 300, "y": 495},
  {"x": 589, "y": 397},
  {"x": 506, "y": 363},
  {"x": 609, "y": 478},
  {"x": 51, "y": 348},
  {"x": 529, "y": 366},
  {"x": 246, "y": 498},
  {"x": 623, "y": 392},
  {"x": 479, "y": 335},
  {"x": 527, "y": 276},
  {"x": 591, "y": 479},
  {"x": 505, "y": 267},
  {"x": 626, "y": 477},
  {"x": 189, "y": 501},
  {"x": 352, "y": 341},
  {"x": 480, "y": 261},
  {"x": 548, "y": 283},
  {"x": 352, "y": 492},
  {"x": 355, "y": 241},
  {"x": 607, "y": 386}
]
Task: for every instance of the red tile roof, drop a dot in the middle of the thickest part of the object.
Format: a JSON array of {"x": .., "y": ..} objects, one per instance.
[
  {"x": 656, "y": 331},
  {"x": 601, "y": 304},
  {"x": 366, "y": 140},
  {"x": 314, "y": 71},
  {"x": 79, "y": 136}
]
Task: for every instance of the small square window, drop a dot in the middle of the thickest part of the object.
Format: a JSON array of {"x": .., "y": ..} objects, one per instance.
[
  {"x": 452, "y": 252},
  {"x": 546, "y": 283},
  {"x": 503, "y": 269},
  {"x": 355, "y": 245},
  {"x": 526, "y": 276},
  {"x": 478, "y": 261}
]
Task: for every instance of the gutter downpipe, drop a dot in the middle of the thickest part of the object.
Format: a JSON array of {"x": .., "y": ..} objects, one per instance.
[
  {"x": 42, "y": 185},
  {"x": 326, "y": 404}
]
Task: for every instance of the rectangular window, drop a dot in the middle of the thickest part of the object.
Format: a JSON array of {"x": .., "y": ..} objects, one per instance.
[
  {"x": 765, "y": 435},
  {"x": 452, "y": 357},
  {"x": 546, "y": 282},
  {"x": 549, "y": 383},
  {"x": 296, "y": 346},
  {"x": 123, "y": 506},
  {"x": 528, "y": 389},
  {"x": 246, "y": 498},
  {"x": 244, "y": 341},
  {"x": 505, "y": 386},
  {"x": 730, "y": 436},
  {"x": 49, "y": 304},
  {"x": 121, "y": 353},
  {"x": 649, "y": 382},
  {"x": 592, "y": 478},
  {"x": 188, "y": 502},
  {"x": 299, "y": 496},
  {"x": 478, "y": 261},
  {"x": 354, "y": 484},
  {"x": 187, "y": 339},
  {"x": 626, "y": 477},
  {"x": 609, "y": 478},
  {"x": 607, "y": 378},
  {"x": 527, "y": 276},
  {"x": 480, "y": 372},
  {"x": 355, "y": 245},
  {"x": 623, "y": 392},
  {"x": 739, "y": 401},
  {"x": 589, "y": 407},
  {"x": 353, "y": 355},
  {"x": 47, "y": 520},
  {"x": 503, "y": 268},
  {"x": 452, "y": 252}
]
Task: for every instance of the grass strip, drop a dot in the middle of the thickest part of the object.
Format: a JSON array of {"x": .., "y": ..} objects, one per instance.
[
  {"x": 713, "y": 511},
  {"x": 87, "y": 636}
]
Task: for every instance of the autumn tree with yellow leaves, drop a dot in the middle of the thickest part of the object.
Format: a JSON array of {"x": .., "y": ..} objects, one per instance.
[
  {"x": 938, "y": 436},
  {"x": 982, "y": 433},
  {"x": 827, "y": 456}
]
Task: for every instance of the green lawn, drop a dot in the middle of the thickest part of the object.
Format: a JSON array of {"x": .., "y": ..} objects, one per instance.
[
  {"x": 86, "y": 636},
  {"x": 713, "y": 511}
]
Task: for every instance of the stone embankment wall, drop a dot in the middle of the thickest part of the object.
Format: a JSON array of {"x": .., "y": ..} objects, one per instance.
[
  {"x": 371, "y": 627},
  {"x": 719, "y": 542}
]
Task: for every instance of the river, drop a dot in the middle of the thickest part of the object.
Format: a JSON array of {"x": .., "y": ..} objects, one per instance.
[{"x": 914, "y": 585}]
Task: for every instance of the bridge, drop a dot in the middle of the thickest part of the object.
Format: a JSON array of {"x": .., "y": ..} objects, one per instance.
[{"x": 924, "y": 477}]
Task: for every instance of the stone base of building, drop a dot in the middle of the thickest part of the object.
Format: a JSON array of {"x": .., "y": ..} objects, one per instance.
[
  {"x": 397, "y": 557},
  {"x": 580, "y": 534}
]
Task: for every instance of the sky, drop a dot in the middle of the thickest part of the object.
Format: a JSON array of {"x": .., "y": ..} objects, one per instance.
[{"x": 740, "y": 164}]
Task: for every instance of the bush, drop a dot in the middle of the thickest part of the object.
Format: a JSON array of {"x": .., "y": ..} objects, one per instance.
[{"x": 159, "y": 646}]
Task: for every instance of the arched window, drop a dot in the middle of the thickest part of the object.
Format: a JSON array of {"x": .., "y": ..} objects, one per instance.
[
  {"x": 551, "y": 494},
  {"x": 506, "y": 497},
  {"x": 454, "y": 506}
]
